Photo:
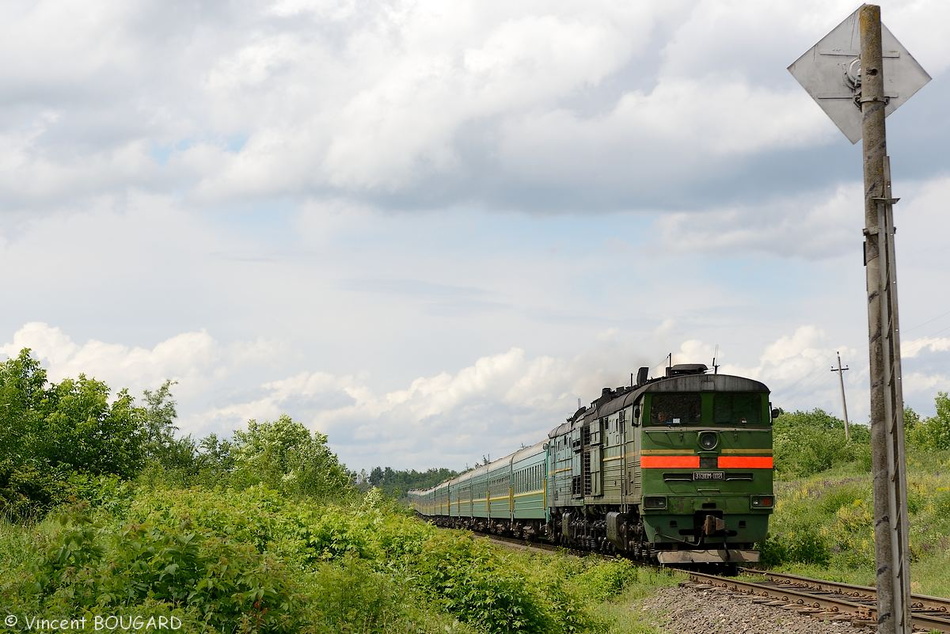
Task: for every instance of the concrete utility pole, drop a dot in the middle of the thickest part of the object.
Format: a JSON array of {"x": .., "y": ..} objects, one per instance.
[
  {"x": 839, "y": 77},
  {"x": 844, "y": 401},
  {"x": 887, "y": 402}
]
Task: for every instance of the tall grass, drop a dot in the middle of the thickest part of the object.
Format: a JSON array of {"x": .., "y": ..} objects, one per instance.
[{"x": 823, "y": 524}]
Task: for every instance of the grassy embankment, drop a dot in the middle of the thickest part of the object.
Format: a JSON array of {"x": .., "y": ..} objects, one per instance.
[
  {"x": 823, "y": 525},
  {"x": 255, "y": 561}
]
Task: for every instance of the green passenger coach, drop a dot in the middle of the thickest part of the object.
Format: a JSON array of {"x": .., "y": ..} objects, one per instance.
[{"x": 676, "y": 469}]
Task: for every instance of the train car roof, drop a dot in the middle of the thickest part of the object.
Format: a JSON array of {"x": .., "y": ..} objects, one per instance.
[
  {"x": 525, "y": 452},
  {"x": 685, "y": 378},
  {"x": 520, "y": 454}
]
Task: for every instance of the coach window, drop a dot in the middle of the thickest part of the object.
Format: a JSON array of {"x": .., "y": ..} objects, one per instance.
[{"x": 675, "y": 409}]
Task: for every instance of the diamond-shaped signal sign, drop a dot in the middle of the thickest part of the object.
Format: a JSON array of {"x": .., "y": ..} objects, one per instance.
[{"x": 831, "y": 73}]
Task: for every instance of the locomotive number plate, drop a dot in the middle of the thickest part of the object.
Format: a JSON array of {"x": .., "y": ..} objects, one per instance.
[{"x": 709, "y": 475}]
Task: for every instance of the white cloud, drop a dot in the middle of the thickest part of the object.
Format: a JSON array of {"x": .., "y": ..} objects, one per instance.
[
  {"x": 188, "y": 358},
  {"x": 932, "y": 344},
  {"x": 389, "y": 218},
  {"x": 814, "y": 225}
]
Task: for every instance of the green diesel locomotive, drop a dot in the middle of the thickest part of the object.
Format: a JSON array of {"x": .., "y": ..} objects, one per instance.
[{"x": 676, "y": 469}]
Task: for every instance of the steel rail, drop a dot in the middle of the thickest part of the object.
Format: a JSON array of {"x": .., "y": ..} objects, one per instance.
[
  {"x": 826, "y": 599},
  {"x": 812, "y": 596},
  {"x": 918, "y": 601}
]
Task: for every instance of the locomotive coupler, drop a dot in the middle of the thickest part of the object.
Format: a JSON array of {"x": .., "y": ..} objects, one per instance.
[{"x": 713, "y": 525}]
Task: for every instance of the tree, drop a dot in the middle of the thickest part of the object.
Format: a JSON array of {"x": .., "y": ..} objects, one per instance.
[
  {"x": 933, "y": 432},
  {"x": 22, "y": 391},
  {"x": 49, "y": 431},
  {"x": 85, "y": 432},
  {"x": 158, "y": 420},
  {"x": 215, "y": 455},
  {"x": 911, "y": 419},
  {"x": 285, "y": 456},
  {"x": 810, "y": 442},
  {"x": 939, "y": 424},
  {"x": 396, "y": 483}
]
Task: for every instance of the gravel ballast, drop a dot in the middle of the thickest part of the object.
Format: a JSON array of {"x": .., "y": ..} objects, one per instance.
[{"x": 689, "y": 611}]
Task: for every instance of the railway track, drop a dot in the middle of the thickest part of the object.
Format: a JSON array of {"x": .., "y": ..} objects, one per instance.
[
  {"x": 816, "y": 597},
  {"x": 825, "y": 599}
]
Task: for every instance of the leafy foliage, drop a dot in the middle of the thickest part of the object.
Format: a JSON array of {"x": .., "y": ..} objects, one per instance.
[
  {"x": 934, "y": 432},
  {"x": 254, "y": 560},
  {"x": 396, "y": 483},
  {"x": 285, "y": 456},
  {"x": 806, "y": 443},
  {"x": 221, "y": 583},
  {"x": 53, "y": 432},
  {"x": 50, "y": 431},
  {"x": 259, "y": 532}
]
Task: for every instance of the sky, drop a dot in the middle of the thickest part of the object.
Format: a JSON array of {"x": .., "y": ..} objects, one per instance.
[{"x": 428, "y": 230}]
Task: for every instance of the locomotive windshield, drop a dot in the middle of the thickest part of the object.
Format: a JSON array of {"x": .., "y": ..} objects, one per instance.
[
  {"x": 676, "y": 409},
  {"x": 740, "y": 408},
  {"x": 726, "y": 408}
]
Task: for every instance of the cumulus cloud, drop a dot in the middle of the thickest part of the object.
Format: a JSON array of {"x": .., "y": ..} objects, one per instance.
[
  {"x": 386, "y": 101},
  {"x": 412, "y": 220},
  {"x": 813, "y": 225},
  {"x": 185, "y": 357},
  {"x": 195, "y": 361},
  {"x": 932, "y": 344}
]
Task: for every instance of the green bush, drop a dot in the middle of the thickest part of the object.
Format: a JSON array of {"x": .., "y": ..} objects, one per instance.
[
  {"x": 495, "y": 592},
  {"x": 807, "y": 443},
  {"x": 255, "y": 560},
  {"x": 87, "y": 567},
  {"x": 805, "y": 545},
  {"x": 607, "y": 579},
  {"x": 285, "y": 456},
  {"x": 353, "y": 597},
  {"x": 106, "y": 493},
  {"x": 29, "y": 489}
]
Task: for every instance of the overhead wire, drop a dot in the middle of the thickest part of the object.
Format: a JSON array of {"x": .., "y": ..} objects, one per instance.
[{"x": 931, "y": 320}]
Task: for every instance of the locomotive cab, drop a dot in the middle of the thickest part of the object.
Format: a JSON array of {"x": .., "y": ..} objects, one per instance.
[{"x": 706, "y": 465}]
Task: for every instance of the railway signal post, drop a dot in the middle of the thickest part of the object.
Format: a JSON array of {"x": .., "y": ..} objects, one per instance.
[{"x": 851, "y": 87}]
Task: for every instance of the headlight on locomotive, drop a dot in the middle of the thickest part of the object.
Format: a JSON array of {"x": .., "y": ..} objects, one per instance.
[
  {"x": 654, "y": 502},
  {"x": 708, "y": 440},
  {"x": 763, "y": 501}
]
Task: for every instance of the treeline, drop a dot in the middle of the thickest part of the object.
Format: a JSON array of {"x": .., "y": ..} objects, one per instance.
[
  {"x": 396, "y": 483},
  {"x": 806, "y": 443},
  {"x": 57, "y": 437}
]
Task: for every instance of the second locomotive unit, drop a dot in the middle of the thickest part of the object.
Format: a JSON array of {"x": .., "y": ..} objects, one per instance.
[{"x": 676, "y": 469}]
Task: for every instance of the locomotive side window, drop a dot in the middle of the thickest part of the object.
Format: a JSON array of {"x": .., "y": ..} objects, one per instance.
[
  {"x": 676, "y": 409},
  {"x": 741, "y": 408}
]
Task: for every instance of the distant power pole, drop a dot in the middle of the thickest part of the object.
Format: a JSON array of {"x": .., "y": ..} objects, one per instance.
[{"x": 844, "y": 401}]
